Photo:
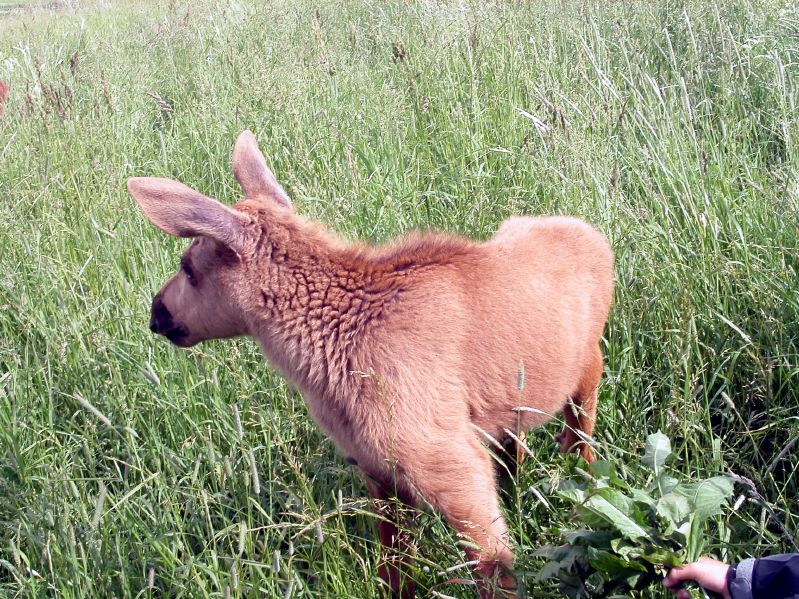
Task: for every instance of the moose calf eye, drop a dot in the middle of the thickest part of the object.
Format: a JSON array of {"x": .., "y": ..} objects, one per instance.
[{"x": 189, "y": 274}]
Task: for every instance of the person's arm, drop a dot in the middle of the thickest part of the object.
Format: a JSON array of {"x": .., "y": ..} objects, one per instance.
[{"x": 773, "y": 577}]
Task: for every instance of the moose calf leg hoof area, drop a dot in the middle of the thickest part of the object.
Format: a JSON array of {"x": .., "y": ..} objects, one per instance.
[
  {"x": 567, "y": 440},
  {"x": 570, "y": 443},
  {"x": 498, "y": 582},
  {"x": 587, "y": 453}
]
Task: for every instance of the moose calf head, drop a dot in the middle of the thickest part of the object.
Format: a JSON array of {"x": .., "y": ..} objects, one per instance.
[{"x": 200, "y": 301}]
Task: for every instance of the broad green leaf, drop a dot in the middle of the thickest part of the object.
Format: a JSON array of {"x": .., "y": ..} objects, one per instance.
[
  {"x": 605, "y": 473},
  {"x": 549, "y": 570},
  {"x": 633, "y": 580},
  {"x": 630, "y": 507},
  {"x": 658, "y": 450},
  {"x": 612, "y": 565},
  {"x": 696, "y": 539},
  {"x": 643, "y": 497},
  {"x": 601, "y": 468},
  {"x": 551, "y": 552},
  {"x": 707, "y": 496},
  {"x": 666, "y": 483},
  {"x": 617, "y": 498},
  {"x": 600, "y": 506},
  {"x": 560, "y": 553},
  {"x": 592, "y": 538},
  {"x": 680, "y": 534},
  {"x": 574, "y": 495},
  {"x": 674, "y": 509},
  {"x": 662, "y": 557},
  {"x": 630, "y": 551},
  {"x": 572, "y": 491},
  {"x": 572, "y": 586},
  {"x": 623, "y": 547},
  {"x": 589, "y": 518},
  {"x": 647, "y": 552}
]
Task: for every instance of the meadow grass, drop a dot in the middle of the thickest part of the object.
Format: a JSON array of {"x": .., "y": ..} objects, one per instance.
[{"x": 131, "y": 468}]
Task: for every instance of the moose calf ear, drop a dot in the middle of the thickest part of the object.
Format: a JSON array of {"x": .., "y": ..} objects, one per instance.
[
  {"x": 255, "y": 178},
  {"x": 180, "y": 211}
]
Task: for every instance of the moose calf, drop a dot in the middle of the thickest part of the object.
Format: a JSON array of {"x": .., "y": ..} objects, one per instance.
[{"x": 407, "y": 354}]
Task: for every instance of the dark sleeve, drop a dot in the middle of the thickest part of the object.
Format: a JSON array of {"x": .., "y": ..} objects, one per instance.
[
  {"x": 773, "y": 577},
  {"x": 776, "y": 577},
  {"x": 740, "y": 585}
]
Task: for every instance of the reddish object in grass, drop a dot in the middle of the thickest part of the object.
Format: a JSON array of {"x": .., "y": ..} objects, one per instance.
[{"x": 3, "y": 95}]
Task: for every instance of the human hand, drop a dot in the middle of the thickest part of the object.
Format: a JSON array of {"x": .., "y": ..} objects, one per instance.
[{"x": 711, "y": 575}]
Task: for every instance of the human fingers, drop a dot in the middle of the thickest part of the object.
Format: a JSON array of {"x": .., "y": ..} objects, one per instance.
[{"x": 677, "y": 575}]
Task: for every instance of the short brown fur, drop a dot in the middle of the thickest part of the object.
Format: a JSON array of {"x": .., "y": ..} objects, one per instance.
[{"x": 408, "y": 355}]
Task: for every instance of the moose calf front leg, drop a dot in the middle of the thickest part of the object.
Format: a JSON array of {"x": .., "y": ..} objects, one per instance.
[
  {"x": 395, "y": 542},
  {"x": 458, "y": 479}
]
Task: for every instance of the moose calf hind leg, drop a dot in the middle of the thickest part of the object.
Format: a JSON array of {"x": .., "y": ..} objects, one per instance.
[{"x": 580, "y": 411}]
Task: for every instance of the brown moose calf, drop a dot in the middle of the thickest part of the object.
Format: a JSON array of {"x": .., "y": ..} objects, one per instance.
[{"x": 408, "y": 355}]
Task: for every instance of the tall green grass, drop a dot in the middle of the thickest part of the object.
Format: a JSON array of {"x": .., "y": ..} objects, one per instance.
[{"x": 671, "y": 125}]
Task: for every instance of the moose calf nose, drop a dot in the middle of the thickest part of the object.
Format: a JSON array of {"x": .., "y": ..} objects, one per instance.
[{"x": 160, "y": 318}]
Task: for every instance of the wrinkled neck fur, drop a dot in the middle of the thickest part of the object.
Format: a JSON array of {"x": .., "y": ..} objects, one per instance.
[{"x": 315, "y": 301}]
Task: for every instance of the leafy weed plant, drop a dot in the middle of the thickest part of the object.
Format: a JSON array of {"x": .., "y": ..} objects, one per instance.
[{"x": 632, "y": 533}]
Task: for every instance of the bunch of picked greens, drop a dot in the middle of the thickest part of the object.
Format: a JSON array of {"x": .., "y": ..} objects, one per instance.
[{"x": 629, "y": 536}]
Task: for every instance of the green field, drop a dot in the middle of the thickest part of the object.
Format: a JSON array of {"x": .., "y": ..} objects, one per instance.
[{"x": 130, "y": 468}]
